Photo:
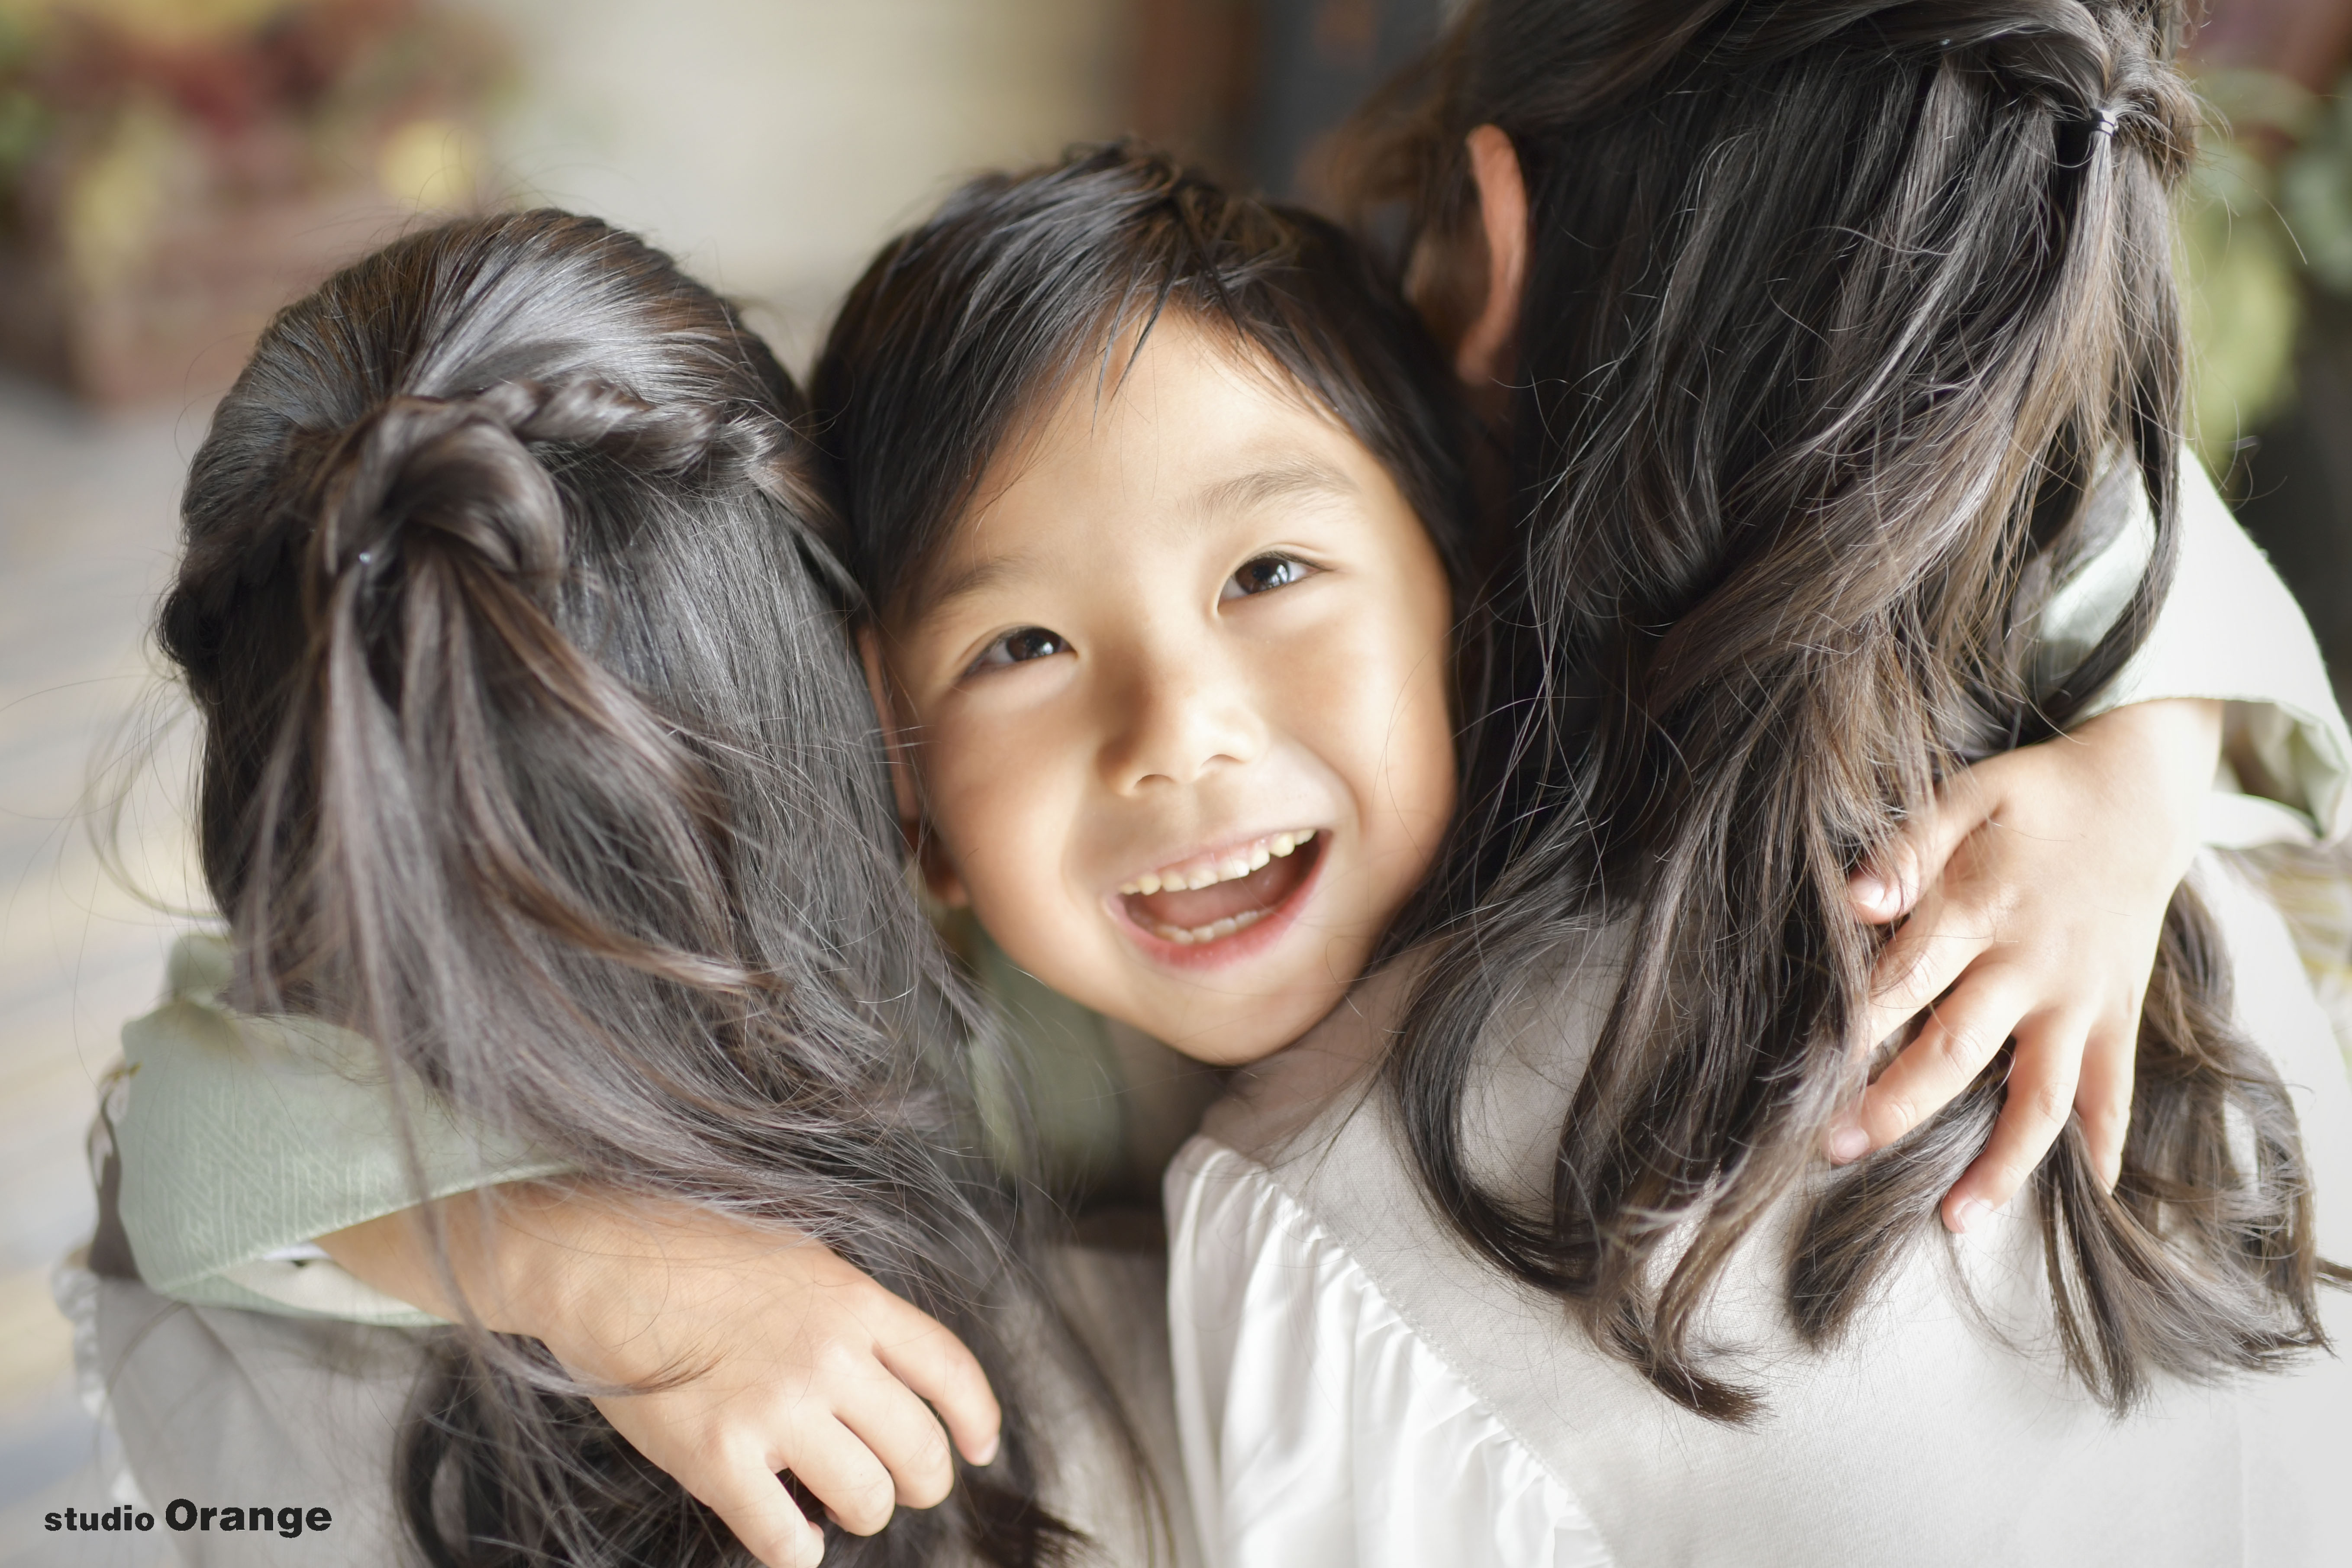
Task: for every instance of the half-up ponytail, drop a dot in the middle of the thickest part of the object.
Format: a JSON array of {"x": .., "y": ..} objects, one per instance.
[
  {"x": 1841, "y": 315},
  {"x": 534, "y": 752},
  {"x": 434, "y": 578}
]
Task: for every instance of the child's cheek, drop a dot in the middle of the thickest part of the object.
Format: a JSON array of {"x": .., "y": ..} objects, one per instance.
[
  {"x": 1419, "y": 766},
  {"x": 1407, "y": 765},
  {"x": 1004, "y": 816}
]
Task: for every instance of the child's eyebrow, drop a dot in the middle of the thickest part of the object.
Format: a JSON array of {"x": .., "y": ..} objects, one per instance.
[
  {"x": 1276, "y": 481},
  {"x": 973, "y": 578}
]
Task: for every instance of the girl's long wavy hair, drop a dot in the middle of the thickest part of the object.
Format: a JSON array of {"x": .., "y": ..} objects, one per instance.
[
  {"x": 534, "y": 750},
  {"x": 1836, "y": 311}
]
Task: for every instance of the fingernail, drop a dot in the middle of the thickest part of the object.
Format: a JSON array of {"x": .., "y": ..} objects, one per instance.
[
  {"x": 1969, "y": 1214},
  {"x": 1871, "y": 890},
  {"x": 1848, "y": 1143},
  {"x": 987, "y": 1455}
]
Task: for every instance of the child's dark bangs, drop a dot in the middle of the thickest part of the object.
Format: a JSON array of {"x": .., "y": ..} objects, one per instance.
[
  {"x": 1293, "y": 297},
  {"x": 968, "y": 327}
]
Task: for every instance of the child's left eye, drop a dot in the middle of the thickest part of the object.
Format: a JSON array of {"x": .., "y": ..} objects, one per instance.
[
  {"x": 1263, "y": 575},
  {"x": 1020, "y": 646}
]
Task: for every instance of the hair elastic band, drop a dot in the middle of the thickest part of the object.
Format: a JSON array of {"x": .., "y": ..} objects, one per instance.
[{"x": 2108, "y": 120}]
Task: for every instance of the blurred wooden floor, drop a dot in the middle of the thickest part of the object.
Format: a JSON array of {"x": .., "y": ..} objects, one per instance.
[{"x": 88, "y": 511}]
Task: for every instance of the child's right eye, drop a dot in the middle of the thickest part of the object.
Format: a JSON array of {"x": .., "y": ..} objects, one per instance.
[{"x": 1020, "y": 646}]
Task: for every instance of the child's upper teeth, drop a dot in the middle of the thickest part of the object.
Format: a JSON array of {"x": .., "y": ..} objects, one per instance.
[{"x": 1208, "y": 873}]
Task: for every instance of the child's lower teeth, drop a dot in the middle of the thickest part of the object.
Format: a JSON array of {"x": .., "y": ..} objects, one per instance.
[{"x": 1184, "y": 936}]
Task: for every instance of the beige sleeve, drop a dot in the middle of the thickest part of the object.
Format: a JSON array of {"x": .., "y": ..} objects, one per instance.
[
  {"x": 2228, "y": 630},
  {"x": 242, "y": 1138}
]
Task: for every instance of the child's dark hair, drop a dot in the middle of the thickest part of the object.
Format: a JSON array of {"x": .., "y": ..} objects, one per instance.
[
  {"x": 534, "y": 750},
  {"x": 1837, "y": 312},
  {"x": 976, "y": 320}
]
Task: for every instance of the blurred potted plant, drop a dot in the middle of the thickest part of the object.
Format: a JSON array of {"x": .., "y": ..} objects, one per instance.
[
  {"x": 2267, "y": 240},
  {"x": 2267, "y": 226},
  {"x": 171, "y": 170}
]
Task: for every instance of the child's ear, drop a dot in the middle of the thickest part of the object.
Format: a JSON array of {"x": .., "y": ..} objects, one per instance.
[
  {"x": 940, "y": 875},
  {"x": 1485, "y": 354}
]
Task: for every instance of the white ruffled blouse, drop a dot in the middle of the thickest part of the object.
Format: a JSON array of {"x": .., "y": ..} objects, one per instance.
[{"x": 1319, "y": 1430}]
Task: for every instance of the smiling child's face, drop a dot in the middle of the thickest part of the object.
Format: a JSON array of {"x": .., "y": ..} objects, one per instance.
[{"x": 1175, "y": 702}]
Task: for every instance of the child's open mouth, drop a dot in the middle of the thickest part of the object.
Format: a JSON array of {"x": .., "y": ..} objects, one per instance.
[{"x": 1215, "y": 897}]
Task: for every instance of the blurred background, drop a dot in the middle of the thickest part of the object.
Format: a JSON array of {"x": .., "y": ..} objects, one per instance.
[{"x": 171, "y": 170}]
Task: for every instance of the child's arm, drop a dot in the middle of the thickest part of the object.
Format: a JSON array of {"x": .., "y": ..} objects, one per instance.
[
  {"x": 238, "y": 1138},
  {"x": 784, "y": 1356},
  {"x": 2056, "y": 862}
]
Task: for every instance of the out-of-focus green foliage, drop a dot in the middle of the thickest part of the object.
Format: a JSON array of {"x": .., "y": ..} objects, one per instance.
[
  {"x": 2268, "y": 212},
  {"x": 24, "y": 125},
  {"x": 2239, "y": 261},
  {"x": 2315, "y": 194},
  {"x": 2243, "y": 309}
]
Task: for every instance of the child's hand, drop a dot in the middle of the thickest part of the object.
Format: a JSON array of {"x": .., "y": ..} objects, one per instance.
[
  {"x": 2036, "y": 893},
  {"x": 783, "y": 1356}
]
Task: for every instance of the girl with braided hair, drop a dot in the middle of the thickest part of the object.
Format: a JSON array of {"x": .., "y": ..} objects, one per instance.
[
  {"x": 1824, "y": 344},
  {"x": 540, "y": 787}
]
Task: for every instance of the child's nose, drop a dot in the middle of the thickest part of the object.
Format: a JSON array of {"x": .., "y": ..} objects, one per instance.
[{"x": 1176, "y": 719}]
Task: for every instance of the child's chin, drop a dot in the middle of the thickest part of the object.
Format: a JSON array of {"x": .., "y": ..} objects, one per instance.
[{"x": 1232, "y": 1033}]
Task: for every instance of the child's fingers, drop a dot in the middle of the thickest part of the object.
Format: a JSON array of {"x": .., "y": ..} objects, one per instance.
[
  {"x": 2041, "y": 1096},
  {"x": 828, "y": 1458},
  {"x": 1923, "y": 961},
  {"x": 902, "y": 1433},
  {"x": 751, "y": 1502},
  {"x": 935, "y": 1364},
  {"x": 1886, "y": 887},
  {"x": 1960, "y": 1037},
  {"x": 2103, "y": 1098}
]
